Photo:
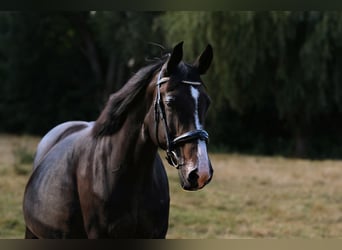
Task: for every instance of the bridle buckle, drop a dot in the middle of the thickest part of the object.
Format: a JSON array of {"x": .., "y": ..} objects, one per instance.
[{"x": 172, "y": 158}]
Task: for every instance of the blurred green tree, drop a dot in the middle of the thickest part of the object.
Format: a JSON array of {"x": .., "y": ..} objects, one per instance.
[
  {"x": 284, "y": 63},
  {"x": 58, "y": 66},
  {"x": 275, "y": 78}
]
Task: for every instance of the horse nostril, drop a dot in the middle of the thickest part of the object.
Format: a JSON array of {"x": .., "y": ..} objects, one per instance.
[{"x": 193, "y": 177}]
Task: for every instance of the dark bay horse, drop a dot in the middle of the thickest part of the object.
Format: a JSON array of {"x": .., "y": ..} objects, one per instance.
[{"x": 105, "y": 179}]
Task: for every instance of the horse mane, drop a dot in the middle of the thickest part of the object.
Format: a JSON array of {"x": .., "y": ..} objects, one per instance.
[{"x": 115, "y": 111}]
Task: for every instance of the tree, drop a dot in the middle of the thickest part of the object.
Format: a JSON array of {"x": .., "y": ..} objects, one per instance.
[
  {"x": 59, "y": 66},
  {"x": 44, "y": 73},
  {"x": 114, "y": 43},
  {"x": 280, "y": 61}
]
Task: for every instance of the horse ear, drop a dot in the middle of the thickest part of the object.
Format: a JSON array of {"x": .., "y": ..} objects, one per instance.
[
  {"x": 204, "y": 60},
  {"x": 175, "y": 58}
]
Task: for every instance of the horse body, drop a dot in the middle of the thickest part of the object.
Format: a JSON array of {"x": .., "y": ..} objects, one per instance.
[
  {"x": 116, "y": 205},
  {"x": 105, "y": 179}
]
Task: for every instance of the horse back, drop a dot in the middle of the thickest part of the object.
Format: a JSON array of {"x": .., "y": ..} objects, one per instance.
[{"x": 54, "y": 136}]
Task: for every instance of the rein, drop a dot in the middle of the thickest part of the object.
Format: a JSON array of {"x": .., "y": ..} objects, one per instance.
[{"x": 173, "y": 143}]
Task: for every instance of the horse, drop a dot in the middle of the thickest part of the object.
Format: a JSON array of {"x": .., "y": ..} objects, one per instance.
[{"x": 105, "y": 178}]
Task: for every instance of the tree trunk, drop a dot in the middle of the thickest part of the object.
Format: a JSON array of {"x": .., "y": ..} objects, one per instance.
[
  {"x": 89, "y": 48},
  {"x": 110, "y": 84},
  {"x": 300, "y": 142}
]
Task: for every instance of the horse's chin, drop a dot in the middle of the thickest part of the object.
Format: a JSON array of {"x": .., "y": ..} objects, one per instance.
[{"x": 189, "y": 187}]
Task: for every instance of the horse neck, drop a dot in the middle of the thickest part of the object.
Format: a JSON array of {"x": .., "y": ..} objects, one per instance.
[
  {"x": 133, "y": 151},
  {"x": 139, "y": 148}
]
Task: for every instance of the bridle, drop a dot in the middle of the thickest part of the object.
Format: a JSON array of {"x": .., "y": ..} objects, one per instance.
[{"x": 173, "y": 143}]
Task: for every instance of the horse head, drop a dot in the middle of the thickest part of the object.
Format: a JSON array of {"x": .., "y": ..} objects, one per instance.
[{"x": 175, "y": 121}]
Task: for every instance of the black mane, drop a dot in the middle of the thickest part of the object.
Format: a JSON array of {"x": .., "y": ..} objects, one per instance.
[{"x": 115, "y": 111}]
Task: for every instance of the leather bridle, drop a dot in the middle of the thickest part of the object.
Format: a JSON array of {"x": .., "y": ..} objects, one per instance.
[{"x": 173, "y": 143}]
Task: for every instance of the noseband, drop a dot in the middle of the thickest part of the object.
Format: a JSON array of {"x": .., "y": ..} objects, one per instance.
[{"x": 173, "y": 143}]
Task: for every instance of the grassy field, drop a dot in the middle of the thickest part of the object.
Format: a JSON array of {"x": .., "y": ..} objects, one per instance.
[{"x": 249, "y": 196}]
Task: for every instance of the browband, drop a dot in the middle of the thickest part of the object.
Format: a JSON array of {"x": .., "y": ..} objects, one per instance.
[{"x": 165, "y": 79}]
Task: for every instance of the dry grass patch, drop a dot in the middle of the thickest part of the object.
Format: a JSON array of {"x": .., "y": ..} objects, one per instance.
[
  {"x": 270, "y": 197},
  {"x": 249, "y": 196},
  {"x": 16, "y": 152}
]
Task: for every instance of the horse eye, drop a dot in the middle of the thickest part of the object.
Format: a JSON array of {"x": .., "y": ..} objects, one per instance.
[{"x": 170, "y": 100}]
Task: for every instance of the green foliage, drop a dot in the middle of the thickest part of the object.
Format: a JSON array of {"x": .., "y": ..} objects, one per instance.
[
  {"x": 124, "y": 39},
  {"x": 274, "y": 81},
  {"x": 281, "y": 64},
  {"x": 59, "y": 66},
  {"x": 45, "y": 72}
]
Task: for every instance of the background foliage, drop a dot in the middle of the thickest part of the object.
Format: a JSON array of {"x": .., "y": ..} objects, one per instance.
[{"x": 275, "y": 80}]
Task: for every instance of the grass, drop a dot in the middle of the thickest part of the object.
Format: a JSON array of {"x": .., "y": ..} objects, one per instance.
[
  {"x": 249, "y": 196},
  {"x": 16, "y": 154},
  {"x": 267, "y": 197}
]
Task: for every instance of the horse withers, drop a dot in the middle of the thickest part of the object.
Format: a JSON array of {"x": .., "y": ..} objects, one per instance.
[{"x": 105, "y": 179}]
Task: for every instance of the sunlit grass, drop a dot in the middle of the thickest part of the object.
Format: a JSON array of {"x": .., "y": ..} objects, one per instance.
[
  {"x": 249, "y": 196},
  {"x": 15, "y": 155}
]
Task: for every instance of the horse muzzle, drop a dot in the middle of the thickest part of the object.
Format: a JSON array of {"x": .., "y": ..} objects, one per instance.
[{"x": 194, "y": 167}]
